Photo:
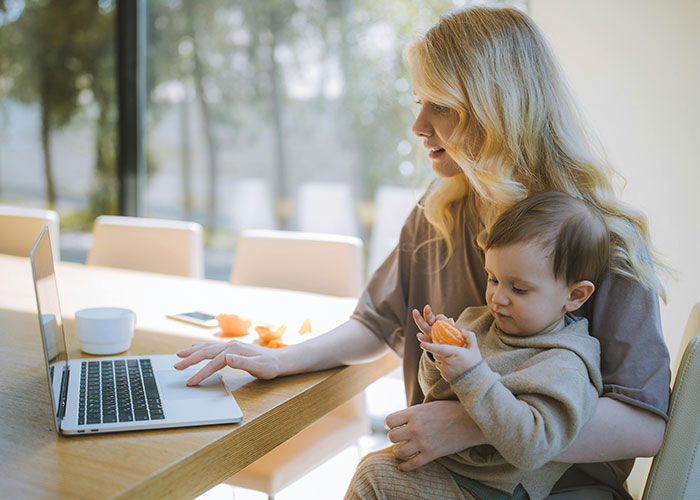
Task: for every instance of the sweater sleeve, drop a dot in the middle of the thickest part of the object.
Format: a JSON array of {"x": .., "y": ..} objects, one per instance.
[{"x": 533, "y": 414}]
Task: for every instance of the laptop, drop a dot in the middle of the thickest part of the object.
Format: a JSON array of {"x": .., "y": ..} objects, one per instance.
[{"x": 118, "y": 393}]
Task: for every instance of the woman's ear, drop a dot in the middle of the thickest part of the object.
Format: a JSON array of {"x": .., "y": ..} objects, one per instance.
[{"x": 579, "y": 293}]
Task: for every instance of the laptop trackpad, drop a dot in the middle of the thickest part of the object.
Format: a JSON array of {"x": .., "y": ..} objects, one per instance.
[{"x": 172, "y": 385}]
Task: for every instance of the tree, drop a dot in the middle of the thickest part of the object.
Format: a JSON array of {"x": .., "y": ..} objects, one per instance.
[{"x": 40, "y": 63}]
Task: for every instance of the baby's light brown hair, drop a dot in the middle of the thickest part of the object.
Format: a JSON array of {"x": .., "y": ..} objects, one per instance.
[{"x": 572, "y": 232}]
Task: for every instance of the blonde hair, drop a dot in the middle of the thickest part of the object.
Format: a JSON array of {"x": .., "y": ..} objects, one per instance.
[{"x": 494, "y": 68}]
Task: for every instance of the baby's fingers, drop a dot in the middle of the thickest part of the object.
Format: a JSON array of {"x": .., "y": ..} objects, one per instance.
[
  {"x": 421, "y": 323},
  {"x": 428, "y": 314},
  {"x": 439, "y": 349}
]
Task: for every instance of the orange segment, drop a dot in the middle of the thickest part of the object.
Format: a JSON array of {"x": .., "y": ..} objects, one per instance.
[
  {"x": 266, "y": 333},
  {"x": 446, "y": 332},
  {"x": 272, "y": 343},
  {"x": 233, "y": 325},
  {"x": 305, "y": 327}
]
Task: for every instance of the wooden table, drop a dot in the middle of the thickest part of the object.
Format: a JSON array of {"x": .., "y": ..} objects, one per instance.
[{"x": 35, "y": 462}]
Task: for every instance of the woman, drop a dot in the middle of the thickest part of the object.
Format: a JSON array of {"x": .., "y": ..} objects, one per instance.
[{"x": 499, "y": 124}]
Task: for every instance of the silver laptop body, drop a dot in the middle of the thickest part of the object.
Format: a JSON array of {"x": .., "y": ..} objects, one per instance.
[{"x": 151, "y": 395}]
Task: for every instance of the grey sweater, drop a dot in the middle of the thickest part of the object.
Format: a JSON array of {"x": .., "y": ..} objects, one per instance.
[{"x": 530, "y": 396}]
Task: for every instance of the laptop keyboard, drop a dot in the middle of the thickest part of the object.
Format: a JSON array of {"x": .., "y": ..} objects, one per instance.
[{"x": 118, "y": 391}]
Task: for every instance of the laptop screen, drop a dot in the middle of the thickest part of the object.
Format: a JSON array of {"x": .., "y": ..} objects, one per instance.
[{"x": 50, "y": 321}]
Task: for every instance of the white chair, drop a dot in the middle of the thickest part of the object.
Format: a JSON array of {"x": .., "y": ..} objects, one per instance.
[
  {"x": 322, "y": 263},
  {"x": 327, "y": 264},
  {"x": 675, "y": 471},
  {"x": 153, "y": 245},
  {"x": 20, "y": 227}
]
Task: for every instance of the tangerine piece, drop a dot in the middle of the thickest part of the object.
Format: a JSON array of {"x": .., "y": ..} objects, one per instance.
[
  {"x": 272, "y": 344},
  {"x": 275, "y": 344},
  {"x": 305, "y": 327},
  {"x": 266, "y": 333},
  {"x": 233, "y": 325},
  {"x": 446, "y": 332}
]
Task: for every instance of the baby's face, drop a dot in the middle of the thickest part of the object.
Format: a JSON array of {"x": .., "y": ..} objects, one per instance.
[{"x": 522, "y": 292}]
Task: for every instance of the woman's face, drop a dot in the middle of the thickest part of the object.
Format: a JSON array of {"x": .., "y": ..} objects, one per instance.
[{"x": 434, "y": 124}]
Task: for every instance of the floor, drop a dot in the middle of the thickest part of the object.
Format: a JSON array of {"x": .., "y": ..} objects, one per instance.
[{"x": 330, "y": 480}]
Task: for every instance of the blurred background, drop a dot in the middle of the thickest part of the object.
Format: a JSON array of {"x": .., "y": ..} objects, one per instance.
[
  {"x": 290, "y": 114},
  {"x": 296, "y": 114}
]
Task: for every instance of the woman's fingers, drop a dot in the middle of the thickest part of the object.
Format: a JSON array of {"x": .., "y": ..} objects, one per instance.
[
  {"x": 263, "y": 366},
  {"x": 396, "y": 419},
  {"x": 417, "y": 460},
  {"x": 199, "y": 353},
  {"x": 210, "y": 368},
  {"x": 404, "y": 450},
  {"x": 189, "y": 350}
]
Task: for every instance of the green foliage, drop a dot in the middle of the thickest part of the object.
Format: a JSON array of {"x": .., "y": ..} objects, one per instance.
[{"x": 60, "y": 54}]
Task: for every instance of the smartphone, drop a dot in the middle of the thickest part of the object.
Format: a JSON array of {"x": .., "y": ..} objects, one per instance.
[{"x": 196, "y": 318}]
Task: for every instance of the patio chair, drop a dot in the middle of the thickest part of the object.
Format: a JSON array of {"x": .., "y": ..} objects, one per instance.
[
  {"x": 319, "y": 263},
  {"x": 675, "y": 471},
  {"x": 153, "y": 245},
  {"x": 20, "y": 227}
]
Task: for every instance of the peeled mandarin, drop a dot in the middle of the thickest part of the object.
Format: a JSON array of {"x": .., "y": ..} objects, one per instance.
[
  {"x": 266, "y": 333},
  {"x": 233, "y": 325},
  {"x": 446, "y": 332}
]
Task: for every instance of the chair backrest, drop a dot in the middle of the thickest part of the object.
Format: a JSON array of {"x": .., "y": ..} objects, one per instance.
[
  {"x": 675, "y": 471},
  {"x": 20, "y": 227},
  {"x": 310, "y": 262},
  {"x": 692, "y": 327},
  {"x": 153, "y": 245}
]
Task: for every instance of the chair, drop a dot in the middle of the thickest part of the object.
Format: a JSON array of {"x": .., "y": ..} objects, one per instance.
[
  {"x": 153, "y": 245},
  {"x": 20, "y": 227},
  {"x": 675, "y": 471},
  {"x": 319, "y": 263},
  {"x": 322, "y": 263}
]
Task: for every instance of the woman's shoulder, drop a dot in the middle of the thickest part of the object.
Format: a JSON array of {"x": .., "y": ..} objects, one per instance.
[{"x": 616, "y": 294}]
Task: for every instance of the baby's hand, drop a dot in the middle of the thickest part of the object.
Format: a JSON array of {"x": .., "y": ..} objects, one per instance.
[
  {"x": 452, "y": 360},
  {"x": 425, "y": 322}
]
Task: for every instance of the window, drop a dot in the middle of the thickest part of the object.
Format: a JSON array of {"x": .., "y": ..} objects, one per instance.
[{"x": 291, "y": 114}]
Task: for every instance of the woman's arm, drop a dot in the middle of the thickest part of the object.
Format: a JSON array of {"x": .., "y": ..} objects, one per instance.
[
  {"x": 439, "y": 428},
  {"x": 349, "y": 343},
  {"x": 616, "y": 431}
]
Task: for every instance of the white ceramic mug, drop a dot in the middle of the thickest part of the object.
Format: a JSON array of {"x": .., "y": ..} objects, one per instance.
[{"x": 105, "y": 330}]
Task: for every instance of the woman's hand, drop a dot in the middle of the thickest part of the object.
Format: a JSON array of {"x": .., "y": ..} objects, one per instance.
[
  {"x": 349, "y": 343},
  {"x": 260, "y": 362},
  {"x": 431, "y": 430}
]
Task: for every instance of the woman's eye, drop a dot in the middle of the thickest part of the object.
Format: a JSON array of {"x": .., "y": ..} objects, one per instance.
[{"x": 437, "y": 108}]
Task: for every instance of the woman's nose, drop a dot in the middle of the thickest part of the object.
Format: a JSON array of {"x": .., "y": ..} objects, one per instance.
[{"x": 421, "y": 127}]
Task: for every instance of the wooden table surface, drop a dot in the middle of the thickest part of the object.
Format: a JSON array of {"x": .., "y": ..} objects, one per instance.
[{"x": 35, "y": 462}]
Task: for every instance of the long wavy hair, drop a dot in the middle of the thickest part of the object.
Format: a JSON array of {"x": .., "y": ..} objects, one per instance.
[{"x": 495, "y": 69}]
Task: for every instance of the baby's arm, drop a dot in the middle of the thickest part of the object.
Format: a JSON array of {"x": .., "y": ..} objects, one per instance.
[{"x": 530, "y": 416}]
